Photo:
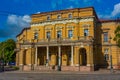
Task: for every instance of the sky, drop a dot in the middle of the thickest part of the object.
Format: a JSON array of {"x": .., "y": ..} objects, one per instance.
[{"x": 15, "y": 14}]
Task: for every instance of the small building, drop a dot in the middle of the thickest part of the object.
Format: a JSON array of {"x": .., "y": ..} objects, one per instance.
[{"x": 68, "y": 40}]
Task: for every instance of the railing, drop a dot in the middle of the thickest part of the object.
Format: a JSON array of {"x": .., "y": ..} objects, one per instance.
[{"x": 81, "y": 38}]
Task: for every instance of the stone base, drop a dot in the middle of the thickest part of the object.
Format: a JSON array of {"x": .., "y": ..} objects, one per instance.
[
  {"x": 86, "y": 68},
  {"x": 55, "y": 68},
  {"x": 20, "y": 67},
  {"x": 114, "y": 67},
  {"x": 27, "y": 67}
]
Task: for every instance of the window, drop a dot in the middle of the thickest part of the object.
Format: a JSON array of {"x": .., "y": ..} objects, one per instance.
[
  {"x": 70, "y": 16},
  {"x": 70, "y": 33},
  {"x": 59, "y": 17},
  {"x": 86, "y": 32},
  {"x": 106, "y": 55},
  {"x": 48, "y": 35},
  {"x": 35, "y": 35},
  {"x": 59, "y": 34},
  {"x": 105, "y": 35},
  {"x": 48, "y": 17}
]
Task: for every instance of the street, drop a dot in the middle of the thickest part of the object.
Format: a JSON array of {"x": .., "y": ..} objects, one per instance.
[{"x": 57, "y": 76}]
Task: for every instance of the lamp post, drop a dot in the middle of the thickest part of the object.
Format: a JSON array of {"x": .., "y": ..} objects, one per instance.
[{"x": 111, "y": 66}]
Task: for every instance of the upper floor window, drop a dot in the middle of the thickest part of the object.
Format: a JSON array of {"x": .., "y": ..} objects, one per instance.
[
  {"x": 59, "y": 17},
  {"x": 59, "y": 34},
  {"x": 48, "y": 35},
  {"x": 105, "y": 36},
  {"x": 35, "y": 35},
  {"x": 106, "y": 55},
  {"x": 86, "y": 32},
  {"x": 69, "y": 15},
  {"x": 70, "y": 33},
  {"x": 48, "y": 17}
]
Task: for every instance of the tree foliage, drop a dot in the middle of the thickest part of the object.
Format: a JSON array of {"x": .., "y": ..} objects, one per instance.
[
  {"x": 7, "y": 50},
  {"x": 117, "y": 35}
]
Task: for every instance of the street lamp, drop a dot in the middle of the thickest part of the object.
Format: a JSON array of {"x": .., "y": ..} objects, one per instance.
[{"x": 111, "y": 66}]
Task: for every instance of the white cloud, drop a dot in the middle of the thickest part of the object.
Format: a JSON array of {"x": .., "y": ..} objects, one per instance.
[
  {"x": 71, "y": 7},
  {"x": 112, "y": 14},
  {"x": 116, "y": 10},
  {"x": 19, "y": 21}
]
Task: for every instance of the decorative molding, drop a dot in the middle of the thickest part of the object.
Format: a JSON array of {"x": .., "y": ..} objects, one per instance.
[
  {"x": 59, "y": 28},
  {"x": 48, "y": 28},
  {"x": 64, "y": 21},
  {"x": 86, "y": 19}
]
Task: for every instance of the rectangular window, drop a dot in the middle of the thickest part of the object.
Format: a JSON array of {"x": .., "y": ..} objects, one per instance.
[
  {"x": 59, "y": 34},
  {"x": 106, "y": 55},
  {"x": 36, "y": 35},
  {"x": 105, "y": 35},
  {"x": 70, "y": 33},
  {"x": 86, "y": 32},
  {"x": 48, "y": 35}
]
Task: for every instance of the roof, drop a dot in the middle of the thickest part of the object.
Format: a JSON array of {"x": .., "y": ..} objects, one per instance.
[
  {"x": 110, "y": 20},
  {"x": 22, "y": 31}
]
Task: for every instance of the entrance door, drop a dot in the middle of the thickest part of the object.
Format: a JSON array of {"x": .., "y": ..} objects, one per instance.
[{"x": 83, "y": 57}]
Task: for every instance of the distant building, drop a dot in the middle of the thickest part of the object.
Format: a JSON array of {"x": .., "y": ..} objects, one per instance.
[{"x": 71, "y": 39}]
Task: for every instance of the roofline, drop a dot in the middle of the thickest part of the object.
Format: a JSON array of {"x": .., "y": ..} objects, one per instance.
[
  {"x": 62, "y": 10},
  {"x": 110, "y": 20},
  {"x": 22, "y": 31}
]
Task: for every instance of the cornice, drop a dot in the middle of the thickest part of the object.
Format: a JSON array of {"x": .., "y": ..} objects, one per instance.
[{"x": 63, "y": 21}]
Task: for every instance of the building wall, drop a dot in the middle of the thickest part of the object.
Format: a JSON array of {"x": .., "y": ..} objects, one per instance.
[{"x": 83, "y": 18}]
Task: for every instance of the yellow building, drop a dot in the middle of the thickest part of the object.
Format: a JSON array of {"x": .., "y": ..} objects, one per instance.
[{"x": 71, "y": 39}]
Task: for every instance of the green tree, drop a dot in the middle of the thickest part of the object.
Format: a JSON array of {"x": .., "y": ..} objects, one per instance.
[
  {"x": 7, "y": 50},
  {"x": 117, "y": 35}
]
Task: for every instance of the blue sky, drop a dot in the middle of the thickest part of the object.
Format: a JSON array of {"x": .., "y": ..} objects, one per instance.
[{"x": 15, "y": 14}]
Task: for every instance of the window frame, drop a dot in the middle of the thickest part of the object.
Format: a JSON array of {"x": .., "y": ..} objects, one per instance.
[
  {"x": 70, "y": 15},
  {"x": 59, "y": 16},
  {"x": 105, "y": 37},
  {"x": 106, "y": 54},
  {"x": 36, "y": 35},
  {"x": 70, "y": 32},
  {"x": 48, "y": 36},
  {"x": 86, "y": 33},
  {"x": 60, "y": 35},
  {"x": 48, "y": 17}
]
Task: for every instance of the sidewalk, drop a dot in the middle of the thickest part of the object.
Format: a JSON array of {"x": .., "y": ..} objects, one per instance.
[{"x": 67, "y": 72}]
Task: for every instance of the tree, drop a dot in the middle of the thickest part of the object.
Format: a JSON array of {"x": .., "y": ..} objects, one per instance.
[
  {"x": 117, "y": 35},
  {"x": 7, "y": 50}
]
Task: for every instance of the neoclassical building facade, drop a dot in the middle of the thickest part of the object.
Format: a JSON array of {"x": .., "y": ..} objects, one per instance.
[{"x": 68, "y": 40}]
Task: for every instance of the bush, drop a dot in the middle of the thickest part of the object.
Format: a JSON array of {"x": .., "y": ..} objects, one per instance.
[{"x": 15, "y": 68}]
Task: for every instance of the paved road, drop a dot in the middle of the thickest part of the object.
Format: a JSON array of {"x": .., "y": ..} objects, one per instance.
[{"x": 57, "y": 76}]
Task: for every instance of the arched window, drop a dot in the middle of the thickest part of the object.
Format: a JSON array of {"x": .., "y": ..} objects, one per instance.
[
  {"x": 69, "y": 15},
  {"x": 59, "y": 17},
  {"x": 48, "y": 17}
]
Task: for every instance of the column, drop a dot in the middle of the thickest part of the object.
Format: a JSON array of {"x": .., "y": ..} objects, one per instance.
[
  {"x": 59, "y": 56},
  {"x": 47, "y": 60},
  {"x": 21, "y": 59},
  {"x": 72, "y": 55},
  {"x": 36, "y": 56},
  {"x": 90, "y": 56}
]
